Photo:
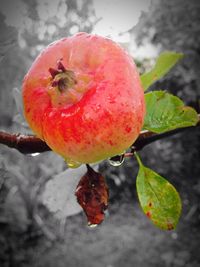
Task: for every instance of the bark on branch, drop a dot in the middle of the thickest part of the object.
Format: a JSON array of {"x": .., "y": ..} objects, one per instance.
[{"x": 28, "y": 144}]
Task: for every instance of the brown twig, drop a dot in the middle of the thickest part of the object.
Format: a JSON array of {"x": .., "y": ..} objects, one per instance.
[
  {"x": 28, "y": 144},
  {"x": 148, "y": 137}
]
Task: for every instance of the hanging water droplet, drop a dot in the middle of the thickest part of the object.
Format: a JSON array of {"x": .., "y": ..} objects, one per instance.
[
  {"x": 35, "y": 154},
  {"x": 92, "y": 225},
  {"x": 72, "y": 164},
  {"x": 116, "y": 160}
]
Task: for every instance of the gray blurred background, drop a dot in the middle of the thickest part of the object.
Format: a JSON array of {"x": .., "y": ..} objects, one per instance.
[{"x": 38, "y": 226}]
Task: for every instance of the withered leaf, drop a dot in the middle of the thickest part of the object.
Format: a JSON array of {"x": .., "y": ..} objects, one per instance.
[{"x": 92, "y": 194}]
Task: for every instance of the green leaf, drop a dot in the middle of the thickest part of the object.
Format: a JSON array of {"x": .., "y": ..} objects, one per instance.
[
  {"x": 158, "y": 198},
  {"x": 164, "y": 63},
  {"x": 165, "y": 112}
]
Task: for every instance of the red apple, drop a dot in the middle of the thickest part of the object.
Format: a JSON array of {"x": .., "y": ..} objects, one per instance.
[{"x": 83, "y": 97}]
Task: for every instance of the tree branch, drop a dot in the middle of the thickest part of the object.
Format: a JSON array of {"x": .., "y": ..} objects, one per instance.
[
  {"x": 147, "y": 137},
  {"x": 28, "y": 144}
]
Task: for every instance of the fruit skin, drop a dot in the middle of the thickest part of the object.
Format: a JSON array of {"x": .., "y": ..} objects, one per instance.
[{"x": 101, "y": 109}]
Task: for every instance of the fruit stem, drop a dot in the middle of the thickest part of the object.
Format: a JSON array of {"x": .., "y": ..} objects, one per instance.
[{"x": 89, "y": 168}]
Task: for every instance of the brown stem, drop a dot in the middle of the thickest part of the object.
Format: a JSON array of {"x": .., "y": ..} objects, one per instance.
[
  {"x": 28, "y": 144},
  {"x": 147, "y": 137}
]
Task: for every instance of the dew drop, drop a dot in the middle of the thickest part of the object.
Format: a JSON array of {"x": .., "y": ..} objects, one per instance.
[
  {"x": 35, "y": 154},
  {"x": 72, "y": 164},
  {"x": 92, "y": 225},
  {"x": 64, "y": 39},
  {"x": 97, "y": 108},
  {"x": 116, "y": 160},
  {"x": 174, "y": 235},
  {"x": 111, "y": 100}
]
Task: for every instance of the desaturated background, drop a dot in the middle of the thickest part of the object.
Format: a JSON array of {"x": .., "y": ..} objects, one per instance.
[{"x": 40, "y": 221}]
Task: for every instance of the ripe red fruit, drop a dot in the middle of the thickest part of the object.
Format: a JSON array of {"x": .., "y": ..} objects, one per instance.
[{"x": 83, "y": 97}]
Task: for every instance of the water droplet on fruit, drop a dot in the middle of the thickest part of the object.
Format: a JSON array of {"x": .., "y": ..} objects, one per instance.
[
  {"x": 116, "y": 160},
  {"x": 73, "y": 164},
  {"x": 97, "y": 108},
  {"x": 64, "y": 39},
  {"x": 80, "y": 33},
  {"x": 111, "y": 100}
]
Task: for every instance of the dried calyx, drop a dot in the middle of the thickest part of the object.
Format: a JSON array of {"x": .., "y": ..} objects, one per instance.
[{"x": 62, "y": 78}]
